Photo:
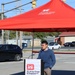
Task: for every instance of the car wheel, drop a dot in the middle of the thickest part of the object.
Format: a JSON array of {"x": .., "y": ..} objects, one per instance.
[
  {"x": 64, "y": 45},
  {"x": 69, "y": 46},
  {"x": 17, "y": 57},
  {"x": 58, "y": 48}
]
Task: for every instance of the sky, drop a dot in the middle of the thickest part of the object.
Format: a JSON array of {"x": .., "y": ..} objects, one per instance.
[{"x": 27, "y": 7}]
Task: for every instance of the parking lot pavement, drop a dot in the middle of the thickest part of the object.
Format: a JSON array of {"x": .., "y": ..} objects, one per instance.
[
  {"x": 11, "y": 67},
  {"x": 65, "y": 65},
  {"x": 65, "y": 62}
]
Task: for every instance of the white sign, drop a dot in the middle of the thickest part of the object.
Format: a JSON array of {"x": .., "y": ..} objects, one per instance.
[{"x": 32, "y": 67}]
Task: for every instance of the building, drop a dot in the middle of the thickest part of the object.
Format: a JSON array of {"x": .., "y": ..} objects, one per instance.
[
  {"x": 67, "y": 37},
  {"x": 26, "y": 40},
  {"x": 37, "y": 42}
]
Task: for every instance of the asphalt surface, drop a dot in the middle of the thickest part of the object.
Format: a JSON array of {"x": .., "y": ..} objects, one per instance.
[{"x": 65, "y": 65}]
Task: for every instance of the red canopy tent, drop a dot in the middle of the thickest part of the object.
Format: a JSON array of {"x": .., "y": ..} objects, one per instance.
[{"x": 53, "y": 16}]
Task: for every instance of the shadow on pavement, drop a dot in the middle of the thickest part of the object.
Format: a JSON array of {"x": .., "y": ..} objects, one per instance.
[
  {"x": 10, "y": 61},
  {"x": 21, "y": 73},
  {"x": 63, "y": 72},
  {"x": 54, "y": 72}
]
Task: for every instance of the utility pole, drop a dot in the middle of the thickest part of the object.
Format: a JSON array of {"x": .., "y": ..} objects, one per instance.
[
  {"x": 33, "y": 6},
  {"x": 21, "y": 33},
  {"x": 2, "y": 17},
  {"x": 16, "y": 31}
]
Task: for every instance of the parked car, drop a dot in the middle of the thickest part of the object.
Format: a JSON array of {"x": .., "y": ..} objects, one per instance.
[
  {"x": 68, "y": 44},
  {"x": 10, "y": 52},
  {"x": 54, "y": 45},
  {"x": 73, "y": 43}
]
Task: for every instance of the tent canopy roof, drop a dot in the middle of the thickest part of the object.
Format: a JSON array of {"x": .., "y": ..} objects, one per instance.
[{"x": 53, "y": 16}]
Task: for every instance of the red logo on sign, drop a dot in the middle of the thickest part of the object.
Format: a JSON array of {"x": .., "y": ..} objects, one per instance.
[{"x": 30, "y": 66}]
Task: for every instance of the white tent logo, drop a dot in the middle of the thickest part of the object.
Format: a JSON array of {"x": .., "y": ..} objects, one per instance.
[{"x": 46, "y": 12}]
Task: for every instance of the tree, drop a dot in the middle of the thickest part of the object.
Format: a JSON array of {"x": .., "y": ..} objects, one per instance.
[
  {"x": 12, "y": 34},
  {"x": 54, "y": 34},
  {"x": 42, "y": 35}
]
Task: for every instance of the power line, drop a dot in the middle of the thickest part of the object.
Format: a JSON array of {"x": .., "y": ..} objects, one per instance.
[
  {"x": 10, "y": 2},
  {"x": 15, "y": 8}
]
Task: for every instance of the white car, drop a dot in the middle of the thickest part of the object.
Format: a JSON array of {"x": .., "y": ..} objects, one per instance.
[{"x": 54, "y": 45}]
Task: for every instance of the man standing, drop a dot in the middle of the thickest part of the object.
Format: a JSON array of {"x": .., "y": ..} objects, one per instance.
[{"x": 47, "y": 56}]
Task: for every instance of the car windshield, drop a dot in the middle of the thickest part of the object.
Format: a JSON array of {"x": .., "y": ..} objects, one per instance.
[
  {"x": 67, "y": 42},
  {"x": 56, "y": 43},
  {"x": 51, "y": 43},
  {"x": 0, "y": 46},
  {"x": 3, "y": 47},
  {"x": 73, "y": 42}
]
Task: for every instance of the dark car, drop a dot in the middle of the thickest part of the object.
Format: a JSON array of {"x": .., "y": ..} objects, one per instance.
[
  {"x": 73, "y": 42},
  {"x": 10, "y": 52},
  {"x": 68, "y": 44}
]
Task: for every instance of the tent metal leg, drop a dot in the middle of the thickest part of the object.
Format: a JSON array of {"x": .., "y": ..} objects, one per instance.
[{"x": 32, "y": 43}]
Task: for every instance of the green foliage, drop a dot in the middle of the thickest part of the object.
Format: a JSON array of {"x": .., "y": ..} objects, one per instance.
[
  {"x": 12, "y": 34},
  {"x": 41, "y": 35},
  {"x": 4, "y": 16},
  {"x": 54, "y": 34}
]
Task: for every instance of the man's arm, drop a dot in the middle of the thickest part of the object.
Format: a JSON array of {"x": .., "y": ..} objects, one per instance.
[
  {"x": 39, "y": 57},
  {"x": 53, "y": 59}
]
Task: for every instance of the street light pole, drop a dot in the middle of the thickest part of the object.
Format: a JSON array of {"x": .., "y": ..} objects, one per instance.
[{"x": 2, "y": 17}]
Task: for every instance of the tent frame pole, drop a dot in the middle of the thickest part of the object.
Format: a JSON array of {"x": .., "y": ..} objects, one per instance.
[{"x": 32, "y": 44}]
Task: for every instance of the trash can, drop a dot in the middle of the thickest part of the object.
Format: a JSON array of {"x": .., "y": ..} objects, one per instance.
[{"x": 24, "y": 45}]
